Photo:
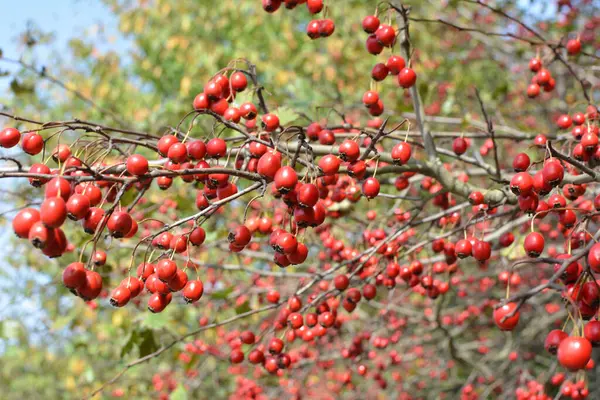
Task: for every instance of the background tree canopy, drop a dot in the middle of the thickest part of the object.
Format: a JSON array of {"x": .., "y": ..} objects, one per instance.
[{"x": 172, "y": 48}]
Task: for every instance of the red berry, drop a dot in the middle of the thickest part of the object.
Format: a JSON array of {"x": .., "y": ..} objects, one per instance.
[
  {"x": 137, "y": 164},
  {"x": 503, "y": 319},
  {"x": 9, "y": 137},
  {"x": 407, "y": 78},
  {"x": 574, "y": 353},
  {"x": 401, "y": 153}
]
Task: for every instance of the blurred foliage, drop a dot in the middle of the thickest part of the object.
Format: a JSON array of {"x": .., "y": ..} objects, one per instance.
[{"x": 175, "y": 47}]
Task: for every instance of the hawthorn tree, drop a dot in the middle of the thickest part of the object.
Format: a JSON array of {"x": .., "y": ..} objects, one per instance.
[{"x": 310, "y": 199}]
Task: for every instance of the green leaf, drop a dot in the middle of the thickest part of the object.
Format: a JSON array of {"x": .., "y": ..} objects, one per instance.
[
  {"x": 242, "y": 308},
  {"x": 131, "y": 342},
  {"x": 222, "y": 294},
  {"x": 179, "y": 394},
  {"x": 286, "y": 115},
  {"x": 148, "y": 344}
]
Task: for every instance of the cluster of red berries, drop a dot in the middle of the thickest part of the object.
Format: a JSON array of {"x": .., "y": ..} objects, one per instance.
[{"x": 316, "y": 28}]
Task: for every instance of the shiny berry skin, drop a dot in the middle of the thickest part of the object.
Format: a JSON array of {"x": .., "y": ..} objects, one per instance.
[
  {"x": 553, "y": 340},
  {"x": 24, "y": 220},
  {"x": 463, "y": 248},
  {"x": 9, "y": 137},
  {"x": 201, "y": 102},
  {"x": 341, "y": 282},
  {"x": 92, "y": 220},
  {"x": 371, "y": 187},
  {"x": 521, "y": 183},
  {"x": 74, "y": 275},
  {"x": 137, "y": 165},
  {"x": 370, "y": 98},
  {"x": 591, "y": 332},
  {"x": 589, "y": 141},
  {"x": 166, "y": 269},
  {"x": 268, "y": 164},
  {"x": 285, "y": 179},
  {"x": 157, "y": 302},
  {"x": 193, "y": 291},
  {"x": 32, "y": 143},
  {"x": 216, "y": 148},
  {"x": 241, "y": 235},
  {"x": 177, "y": 153},
  {"x": 53, "y": 212},
  {"x": 370, "y": 23},
  {"x": 564, "y": 121},
  {"x": 521, "y": 162},
  {"x": 533, "y": 90},
  {"x": 326, "y": 27},
  {"x": 476, "y": 198},
  {"x": 165, "y": 143},
  {"x": 119, "y": 224},
  {"x": 373, "y": 46},
  {"x": 91, "y": 287},
  {"x": 553, "y": 172},
  {"x": 275, "y": 346},
  {"x": 270, "y": 122},
  {"x": 329, "y": 164},
  {"x": 535, "y": 64},
  {"x": 395, "y": 64},
  {"x": 574, "y": 353},
  {"x": 401, "y": 153},
  {"x": 196, "y": 150},
  {"x": 460, "y": 146},
  {"x": 534, "y": 244},
  {"x": 349, "y": 150},
  {"x": 379, "y": 72},
  {"x": 407, "y": 78},
  {"x": 482, "y": 250},
  {"x": 248, "y": 111},
  {"x": 573, "y": 47},
  {"x": 502, "y": 320},
  {"x": 386, "y": 35},
  {"x": 40, "y": 169},
  {"x": 543, "y": 77},
  {"x": 120, "y": 297},
  {"x": 593, "y": 258},
  {"x": 78, "y": 207},
  {"x": 307, "y": 195}
]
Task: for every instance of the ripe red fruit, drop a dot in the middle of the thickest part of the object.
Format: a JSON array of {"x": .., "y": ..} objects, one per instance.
[
  {"x": 216, "y": 148},
  {"x": 591, "y": 331},
  {"x": 41, "y": 169},
  {"x": 157, "y": 302},
  {"x": 386, "y": 35},
  {"x": 482, "y": 250},
  {"x": 460, "y": 146},
  {"x": 165, "y": 143},
  {"x": 349, "y": 150},
  {"x": 137, "y": 164},
  {"x": 92, "y": 220},
  {"x": 593, "y": 258},
  {"x": 543, "y": 77},
  {"x": 329, "y": 164},
  {"x": 407, "y": 78},
  {"x": 476, "y": 198},
  {"x": 307, "y": 195},
  {"x": 201, "y": 102},
  {"x": 119, "y": 224},
  {"x": 564, "y": 121},
  {"x": 341, "y": 282},
  {"x": 78, "y": 207},
  {"x": 553, "y": 172},
  {"x": 370, "y": 98},
  {"x": 370, "y": 23},
  {"x": 32, "y": 143},
  {"x": 177, "y": 153},
  {"x": 166, "y": 269},
  {"x": 53, "y": 212},
  {"x": 370, "y": 187},
  {"x": 379, "y": 72},
  {"x": 91, "y": 287},
  {"x": 463, "y": 248},
  {"x": 24, "y": 220},
  {"x": 535, "y": 64},
  {"x": 401, "y": 153},
  {"x": 9, "y": 137},
  {"x": 373, "y": 45},
  {"x": 502, "y": 318},
  {"x": 285, "y": 179},
  {"x": 574, "y": 353},
  {"x": 326, "y": 27},
  {"x": 120, "y": 296},
  {"x": 270, "y": 122},
  {"x": 197, "y": 236},
  {"x": 553, "y": 340},
  {"x": 533, "y": 90},
  {"x": 241, "y": 235},
  {"x": 573, "y": 46},
  {"x": 521, "y": 183},
  {"x": 395, "y": 64},
  {"x": 534, "y": 244},
  {"x": 74, "y": 275},
  {"x": 521, "y": 162},
  {"x": 99, "y": 258}
]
